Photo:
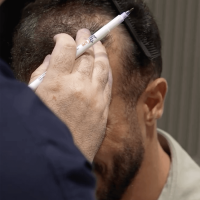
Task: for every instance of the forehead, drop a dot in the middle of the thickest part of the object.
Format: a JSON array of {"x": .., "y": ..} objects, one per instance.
[{"x": 116, "y": 48}]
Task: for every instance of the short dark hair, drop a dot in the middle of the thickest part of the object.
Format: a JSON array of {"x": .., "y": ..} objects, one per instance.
[{"x": 43, "y": 19}]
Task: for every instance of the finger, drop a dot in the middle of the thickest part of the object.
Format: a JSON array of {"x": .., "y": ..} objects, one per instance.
[
  {"x": 63, "y": 55},
  {"x": 41, "y": 69},
  {"x": 107, "y": 93},
  {"x": 85, "y": 63},
  {"x": 110, "y": 77},
  {"x": 101, "y": 66}
]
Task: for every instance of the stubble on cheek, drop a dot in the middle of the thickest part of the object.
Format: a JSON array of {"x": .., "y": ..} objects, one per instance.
[
  {"x": 113, "y": 182},
  {"x": 114, "y": 178}
]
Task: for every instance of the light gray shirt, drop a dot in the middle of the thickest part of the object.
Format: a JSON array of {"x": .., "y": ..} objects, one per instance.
[{"x": 183, "y": 182}]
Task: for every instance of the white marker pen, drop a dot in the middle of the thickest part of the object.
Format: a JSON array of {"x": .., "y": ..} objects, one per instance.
[{"x": 100, "y": 34}]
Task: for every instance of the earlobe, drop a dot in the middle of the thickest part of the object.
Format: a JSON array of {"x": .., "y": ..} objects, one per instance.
[{"x": 154, "y": 100}]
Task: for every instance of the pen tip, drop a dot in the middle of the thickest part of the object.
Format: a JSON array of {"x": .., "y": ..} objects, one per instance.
[{"x": 131, "y": 9}]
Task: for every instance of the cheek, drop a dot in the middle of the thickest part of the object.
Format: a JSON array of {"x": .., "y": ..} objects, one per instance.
[
  {"x": 141, "y": 119},
  {"x": 117, "y": 131},
  {"x": 118, "y": 124},
  {"x": 105, "y": 154}
]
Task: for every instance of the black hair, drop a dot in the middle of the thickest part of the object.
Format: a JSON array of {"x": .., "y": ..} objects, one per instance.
[{"x": 43, "y": 19}]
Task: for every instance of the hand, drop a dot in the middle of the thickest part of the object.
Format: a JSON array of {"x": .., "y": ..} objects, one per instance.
[{"x": 78, "y": 91}]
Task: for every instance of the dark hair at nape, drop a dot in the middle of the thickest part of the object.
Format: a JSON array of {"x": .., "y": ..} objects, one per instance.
[{"x": 43, "y": 19}]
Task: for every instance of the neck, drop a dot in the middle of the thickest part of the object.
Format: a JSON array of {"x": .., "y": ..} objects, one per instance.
[{"x": 152, "y": 176}]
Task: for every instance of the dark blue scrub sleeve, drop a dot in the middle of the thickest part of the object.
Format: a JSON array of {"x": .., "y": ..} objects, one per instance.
[{"x": 38, "y": 159}]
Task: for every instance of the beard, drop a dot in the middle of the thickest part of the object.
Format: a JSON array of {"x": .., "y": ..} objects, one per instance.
[{"x": 125, "y": 166}]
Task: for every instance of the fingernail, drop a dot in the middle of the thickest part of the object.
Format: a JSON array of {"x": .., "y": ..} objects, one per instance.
[
  {"x": 84, "y": 30},
  {"x": 83, "y": 34},
  {"x": 54, "y": 38}
]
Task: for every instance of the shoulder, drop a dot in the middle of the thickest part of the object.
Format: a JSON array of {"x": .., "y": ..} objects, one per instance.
[
  {"x": 39, "y": 159},
  {"x": 5, "y": 70},
  {"x": 184, "y": 178}
]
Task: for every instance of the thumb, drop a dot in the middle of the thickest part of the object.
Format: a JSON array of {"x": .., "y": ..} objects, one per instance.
[{"x": 41, "y": 69}]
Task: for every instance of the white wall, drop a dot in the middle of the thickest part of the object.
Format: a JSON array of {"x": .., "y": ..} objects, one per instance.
[{"x": 179, "y": 23}]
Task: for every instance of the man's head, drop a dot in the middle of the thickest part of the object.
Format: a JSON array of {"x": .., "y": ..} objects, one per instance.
[{"x": 137, "y": 94}]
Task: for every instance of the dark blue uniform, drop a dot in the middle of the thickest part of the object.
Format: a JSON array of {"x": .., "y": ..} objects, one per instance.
[{"x": 38, "y": 159}]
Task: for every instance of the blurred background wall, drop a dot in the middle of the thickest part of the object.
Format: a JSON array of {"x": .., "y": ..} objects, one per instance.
[
  {"x": 179, "y": 24},
  {"x": 10, "y": 14}
]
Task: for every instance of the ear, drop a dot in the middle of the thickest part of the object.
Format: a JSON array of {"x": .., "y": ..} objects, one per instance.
[{"x": 154, "y": 100}]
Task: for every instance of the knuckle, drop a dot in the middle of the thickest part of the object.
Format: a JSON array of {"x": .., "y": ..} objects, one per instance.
[
  {"x": 86, "y": 56},
  {"x": 103, "y": 80},
  {"x": 59, "y": 59},
  {"x": 62, "y": 60},
  {"x": 77, "y": 90},
  {"x": 100, "y": 65},
  {"x": 98, "y": 107},
  {"x": 79, "y": 96},
  {"x": 102, "y": 72},
  {"x": 85, "y": 63},
  {"x": 55, "y": 85},
  {"x": 84, "y": 31},
  {"x": 34, "y": 75},
  {"x": 65, "y": 41},
  {"x": 68, "y": 44}
]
